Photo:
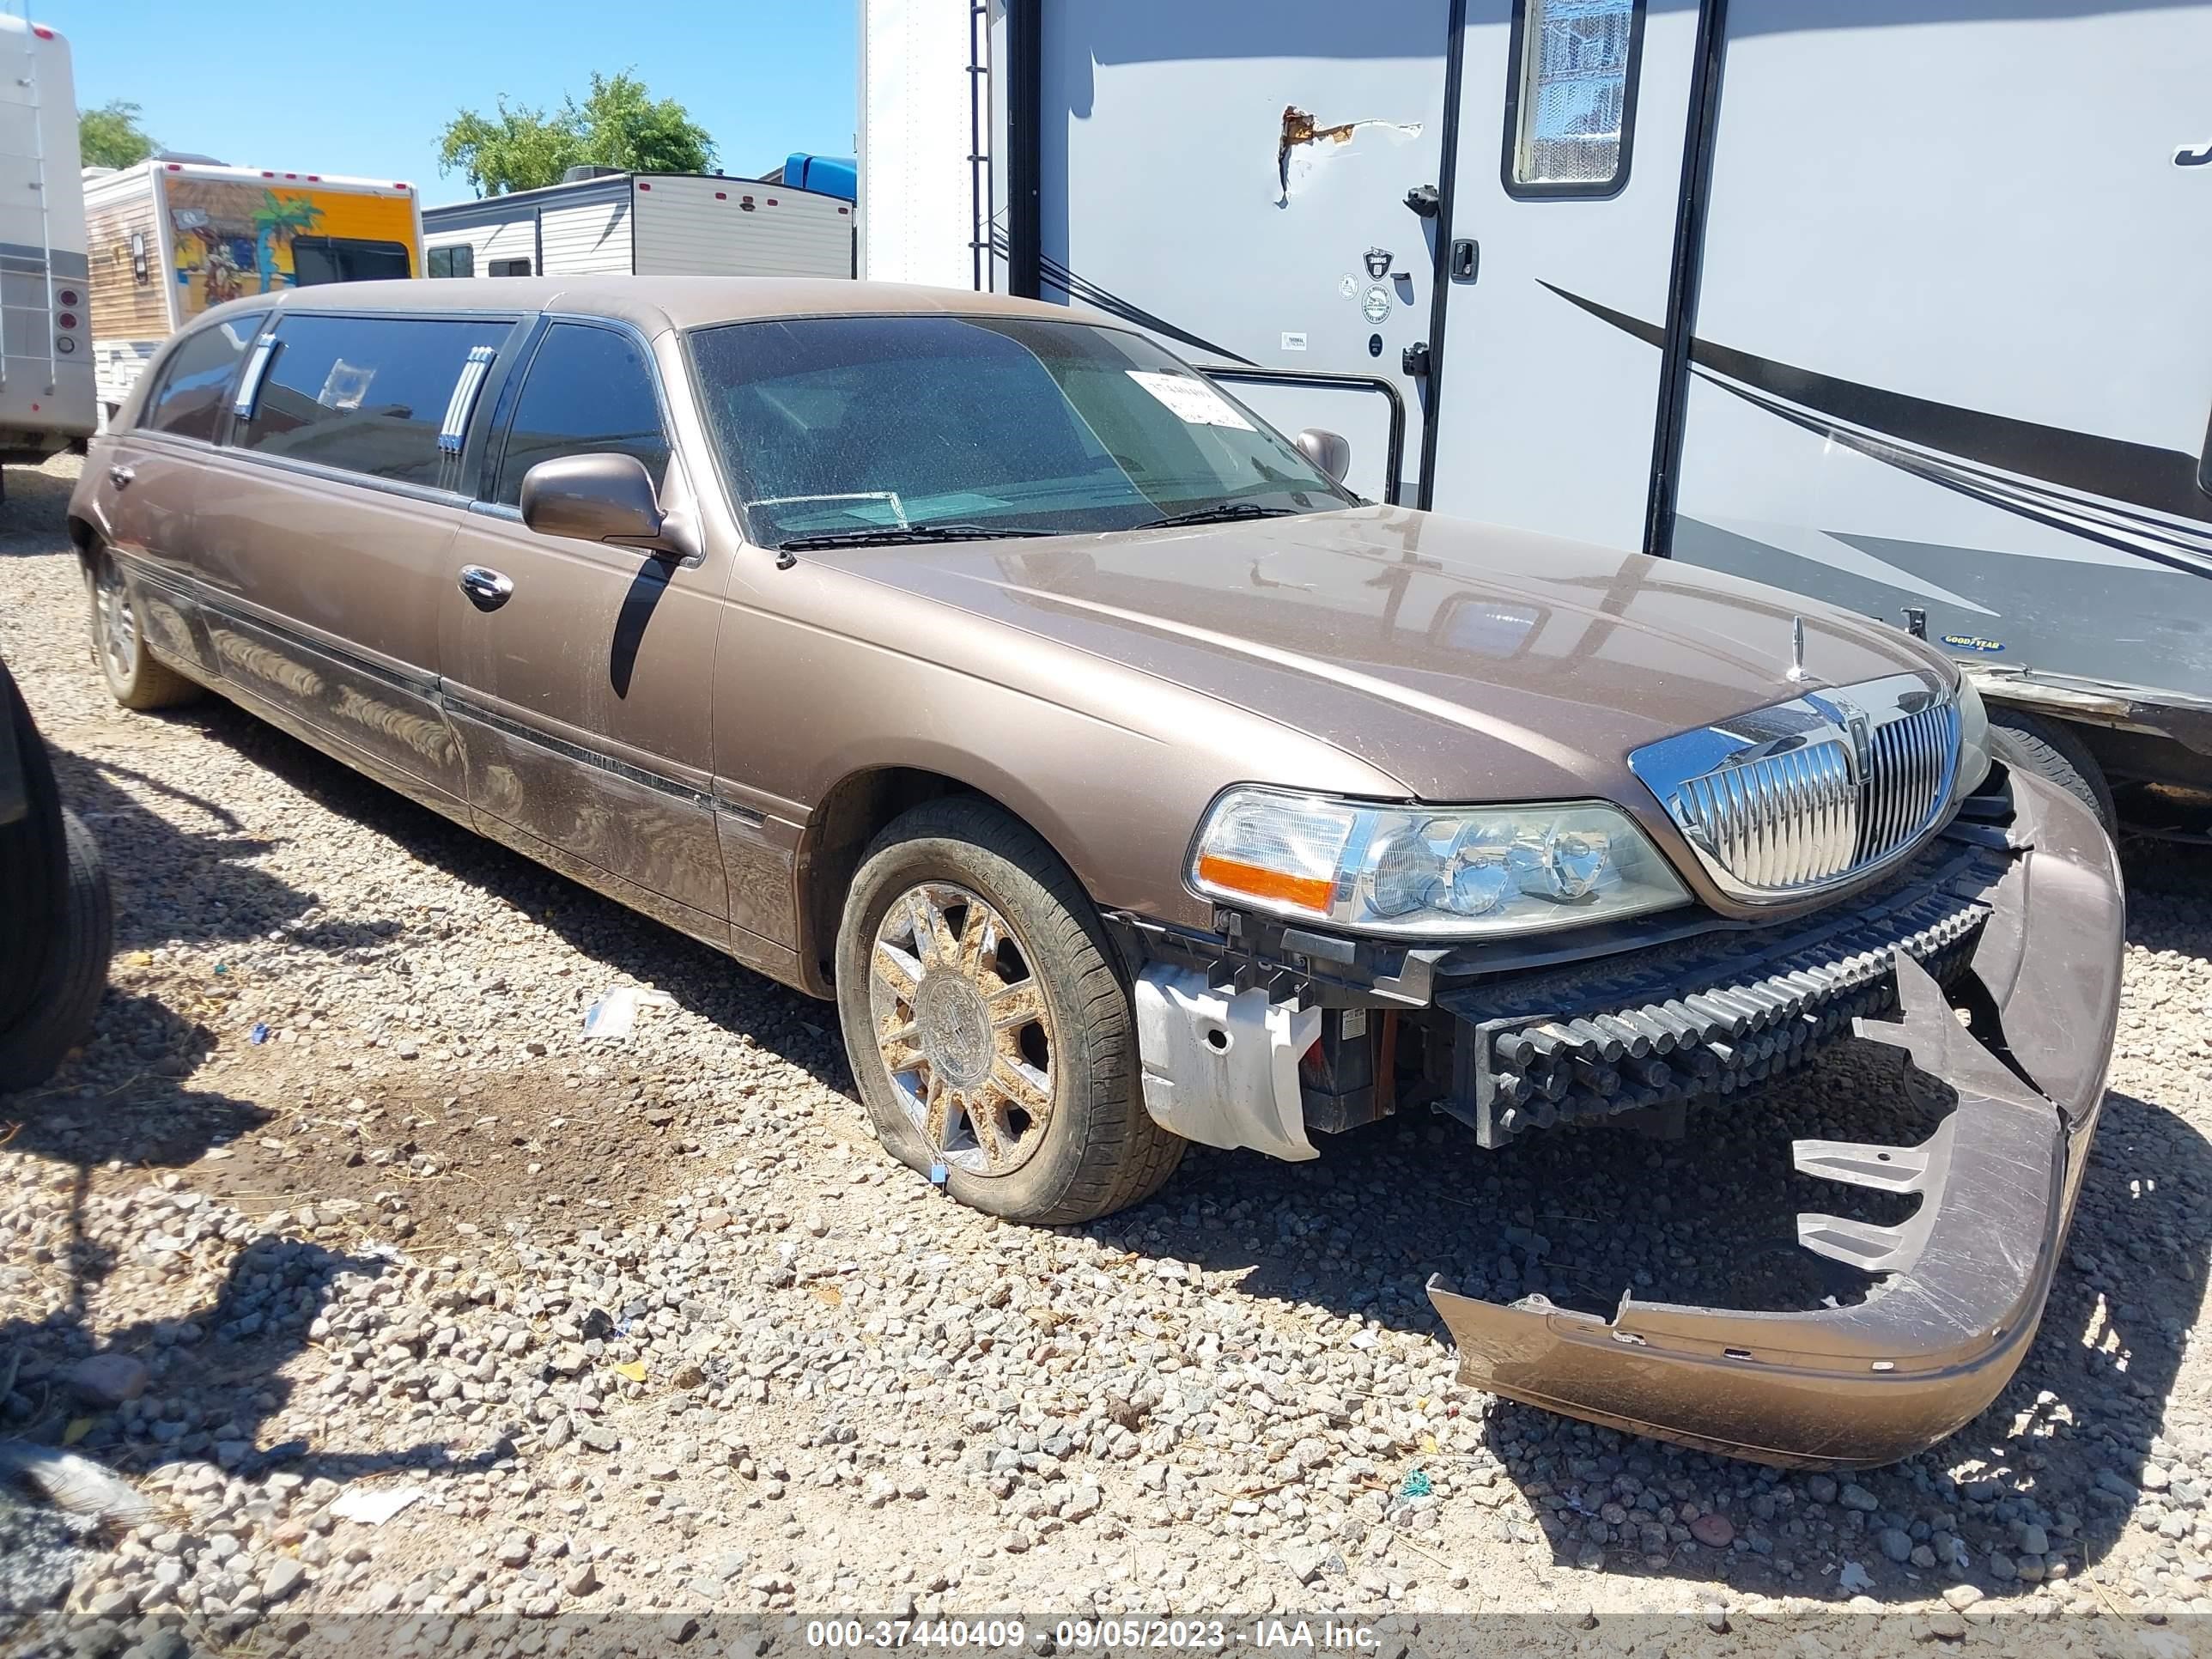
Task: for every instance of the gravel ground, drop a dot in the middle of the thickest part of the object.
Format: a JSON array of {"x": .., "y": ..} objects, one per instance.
[{"x": 656, "y": 1329}]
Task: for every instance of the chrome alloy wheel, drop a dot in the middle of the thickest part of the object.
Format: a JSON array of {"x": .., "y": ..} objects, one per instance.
[
  {"x": 963, "y": 1028},
  {"x": 119, "y": 624}
]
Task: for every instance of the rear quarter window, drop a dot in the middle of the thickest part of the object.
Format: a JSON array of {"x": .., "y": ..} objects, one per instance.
[
  {"x": 364, "y": 393},
  {"x": 195, "y": 382}
]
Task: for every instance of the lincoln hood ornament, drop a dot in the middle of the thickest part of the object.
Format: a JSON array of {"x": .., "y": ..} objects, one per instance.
[{"x": 1796, "y": 648}]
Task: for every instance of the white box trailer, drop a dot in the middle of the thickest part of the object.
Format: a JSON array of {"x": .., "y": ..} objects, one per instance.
[
  {"x": 45, "y": 363},
  {"x": 644, "y": 224},
  {"x": 1898, "y": 305}
]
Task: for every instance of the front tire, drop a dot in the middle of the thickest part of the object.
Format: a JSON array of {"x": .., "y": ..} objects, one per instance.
[
  {"x": 135, "y": 677},
  {"x": 989, "y": 1034}
]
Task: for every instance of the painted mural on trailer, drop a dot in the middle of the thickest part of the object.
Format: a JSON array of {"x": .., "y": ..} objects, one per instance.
[{"x": 233, "y": 237}]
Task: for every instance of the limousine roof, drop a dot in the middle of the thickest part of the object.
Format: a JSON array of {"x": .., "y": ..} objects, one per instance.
[{"x": 651, "y": 303}]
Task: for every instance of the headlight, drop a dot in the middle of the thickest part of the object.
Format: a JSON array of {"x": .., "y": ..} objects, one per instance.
[
  {"x": 1974, "y": 739},
  {"x": 1430, "y": 872}
]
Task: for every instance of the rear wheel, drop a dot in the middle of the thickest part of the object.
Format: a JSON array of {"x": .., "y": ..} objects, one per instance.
[
  {"x": 2053, "y": 749},
  {"x": 135, "y": 677},
  {"x": 990, "y": 1037}
]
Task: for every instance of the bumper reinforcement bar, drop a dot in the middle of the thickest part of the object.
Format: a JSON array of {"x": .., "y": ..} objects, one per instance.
[{"x": 1591, "y": 1051}]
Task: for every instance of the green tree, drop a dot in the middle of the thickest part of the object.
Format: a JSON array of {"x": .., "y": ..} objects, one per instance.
[
  {"x": 110, "y": 136},
  {"x": 619, "y": 124},
  {"x": 511, "y": 149},
  {"x": 623, "y": 125}
]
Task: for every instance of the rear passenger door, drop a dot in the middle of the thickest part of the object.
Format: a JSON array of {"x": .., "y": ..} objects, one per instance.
[
  {"x": 146, "y": 479},
  {"x": 580, "y": 695},
  {"x": 323, "y": 530}
]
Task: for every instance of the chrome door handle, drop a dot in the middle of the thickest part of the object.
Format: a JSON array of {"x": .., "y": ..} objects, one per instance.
[
  {"x": 487, "y": 589},
  {"x": 120, "y": 476}
]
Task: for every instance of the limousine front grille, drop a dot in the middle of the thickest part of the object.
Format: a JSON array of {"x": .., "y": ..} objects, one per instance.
[{"x": 1805, "y": 795}]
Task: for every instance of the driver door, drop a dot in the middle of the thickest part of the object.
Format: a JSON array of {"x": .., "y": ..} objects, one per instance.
[{"x": 576, "y": 674}]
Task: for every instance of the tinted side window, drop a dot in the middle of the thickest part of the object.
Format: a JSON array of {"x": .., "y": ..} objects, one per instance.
[
  {"x": 459, "y": 260},
  {"x": 196, "y": 385},
  {"x": 590, "y": 392},
  {"x": 366, "y": 393}
]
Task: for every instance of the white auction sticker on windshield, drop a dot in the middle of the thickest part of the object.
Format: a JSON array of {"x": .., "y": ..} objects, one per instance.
[{"x": 1194, "y": 402}]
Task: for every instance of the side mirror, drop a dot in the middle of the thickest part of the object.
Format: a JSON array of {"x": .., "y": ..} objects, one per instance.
[
  {"x": 593, "y": 498},
  {"x": 1326, "y": 450}
]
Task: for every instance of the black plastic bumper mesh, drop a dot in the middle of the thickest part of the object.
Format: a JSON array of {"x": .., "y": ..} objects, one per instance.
[{"x": 1707, "y": 1020}]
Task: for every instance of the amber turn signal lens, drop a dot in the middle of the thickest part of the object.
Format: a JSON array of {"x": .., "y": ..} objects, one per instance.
[{"x": 1307, "y": 892}]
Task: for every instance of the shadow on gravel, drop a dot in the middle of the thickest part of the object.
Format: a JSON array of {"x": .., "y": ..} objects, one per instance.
[
  {"x": 216, "y": 1365},
  {"x": 206, "y": 889},
  {"x": 794, "y": 1027},
  {"x": 35, "y": 507}
]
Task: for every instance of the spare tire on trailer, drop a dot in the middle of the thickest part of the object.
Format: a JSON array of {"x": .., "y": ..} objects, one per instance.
[{"x": 57, "y": 918}]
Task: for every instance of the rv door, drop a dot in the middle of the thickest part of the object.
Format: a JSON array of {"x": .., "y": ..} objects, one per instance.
[
  {"x": 1566, "y": 181},
  {"x": 1255, "y": 186}
]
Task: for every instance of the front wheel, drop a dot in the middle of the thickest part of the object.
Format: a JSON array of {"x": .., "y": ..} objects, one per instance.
[{"x": 991, "y": 1039}]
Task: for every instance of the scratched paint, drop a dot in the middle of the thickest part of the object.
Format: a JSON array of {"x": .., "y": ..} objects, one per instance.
[{"x": 1304, "y": 141}]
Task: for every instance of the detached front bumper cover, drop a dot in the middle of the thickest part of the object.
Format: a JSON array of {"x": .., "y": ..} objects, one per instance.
[{"x": 1966, "y": 1275}]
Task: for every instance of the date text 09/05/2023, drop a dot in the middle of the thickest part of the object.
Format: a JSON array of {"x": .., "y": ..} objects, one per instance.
[{"x": 1080, "y": 1635}]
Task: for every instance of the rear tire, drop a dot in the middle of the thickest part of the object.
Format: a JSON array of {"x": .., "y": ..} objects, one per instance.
[
  {"x": 135, "y": 677},
  {"x": 969, "y": 960},
  {"x": 2053, "y": 750},
  {"x": 57, "y": 919},
  {"x": 75, "y": 973}
]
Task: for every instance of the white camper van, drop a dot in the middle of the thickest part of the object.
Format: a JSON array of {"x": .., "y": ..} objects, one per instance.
[
  {"x": 657, "y": 224},
  {"x": 45, "y": 331},
  {"x": 1902, "y": 306}
]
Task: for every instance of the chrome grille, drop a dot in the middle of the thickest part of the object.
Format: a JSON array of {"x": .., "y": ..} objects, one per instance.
[{"x": 1801, "y": 795}]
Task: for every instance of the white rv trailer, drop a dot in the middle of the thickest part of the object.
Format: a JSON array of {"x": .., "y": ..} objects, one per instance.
[
  {"x": 1897, "y": 303},
  {"x": 45, "y": 333},
  {"x": 643, "y": 224}
]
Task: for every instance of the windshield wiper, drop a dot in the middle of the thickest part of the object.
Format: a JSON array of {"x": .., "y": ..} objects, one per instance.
[
  {"x": 886, "y": 534},
  {"x": 1224, "y": 513}
]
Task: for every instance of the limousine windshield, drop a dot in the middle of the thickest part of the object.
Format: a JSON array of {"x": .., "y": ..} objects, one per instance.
[{"x": 852, "y": 429}]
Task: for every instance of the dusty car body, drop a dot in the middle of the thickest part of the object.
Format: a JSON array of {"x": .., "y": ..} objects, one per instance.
[{"x": 1128, "y": 783}]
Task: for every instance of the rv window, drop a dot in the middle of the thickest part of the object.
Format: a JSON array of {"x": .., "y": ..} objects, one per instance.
[
  {"x": 457, "y": 261},
  {"x": 510, "y": 267},
  {"x": 1570, "y": 96},
  {"x": 197, "y": 382},
  {"x": 364, "y": 393},
  {"x": 590, "y": 392},
  {"x": 319, "y": 259}
]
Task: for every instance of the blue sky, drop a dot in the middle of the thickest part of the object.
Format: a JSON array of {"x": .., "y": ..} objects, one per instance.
[{"x": 341, "y": 86}]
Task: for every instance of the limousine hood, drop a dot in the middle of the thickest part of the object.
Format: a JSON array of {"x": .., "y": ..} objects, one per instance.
[{"x": 1467, "y": 661}]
